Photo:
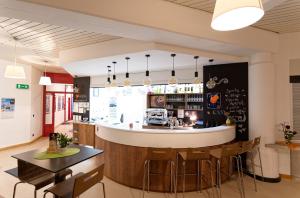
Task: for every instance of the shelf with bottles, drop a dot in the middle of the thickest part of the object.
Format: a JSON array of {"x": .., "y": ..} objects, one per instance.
[
  {"x": 175, "y": 98},
  {"x": 174, "y": 107},
  {"x": 194, "y": 98}
]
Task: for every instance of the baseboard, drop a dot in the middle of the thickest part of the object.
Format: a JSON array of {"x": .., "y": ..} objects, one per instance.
[
  {"x": 264, "y": 179},
  {"x": 284, "y": 176},
  {"x": 22, "y": 144}
]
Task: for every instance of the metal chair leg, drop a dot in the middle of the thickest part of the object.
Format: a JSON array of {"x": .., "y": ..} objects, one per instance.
[
  {"x": 176, "y": 175},
  {"x": 171, "y": 177},
  {"x": 242, "y": 176},
  {"x": 253, "y": 170},
  {"x": 211, "y": 177},
  {"x": 261, "y": 168},
  {"x": 239, "y": 182},
  {"x": 103, "y": 189},
  {"x": 15, "y": 188},
  {"x": 219, "y": 178}
]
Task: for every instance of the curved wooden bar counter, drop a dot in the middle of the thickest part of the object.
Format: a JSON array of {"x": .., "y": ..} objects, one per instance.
[{"x": 126, "y": 151}]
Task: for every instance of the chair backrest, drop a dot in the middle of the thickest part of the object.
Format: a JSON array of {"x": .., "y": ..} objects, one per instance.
[
  {"x": 87, "y": 180},
  {"x": 231, "y": 149},
  {"x": 256, "y": 141},
  {"x": 195, "y": 154},
  {"x": 161, "y": 154},
  {"x": 246, "y": 146}
]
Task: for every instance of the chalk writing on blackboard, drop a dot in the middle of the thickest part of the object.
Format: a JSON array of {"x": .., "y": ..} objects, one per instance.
[{"x": 236, "y": 105}]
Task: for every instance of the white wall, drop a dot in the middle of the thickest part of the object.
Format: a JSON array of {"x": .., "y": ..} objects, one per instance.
[
  {"x": 289, "y": 49},
  {"x": 23, "y": 126}
]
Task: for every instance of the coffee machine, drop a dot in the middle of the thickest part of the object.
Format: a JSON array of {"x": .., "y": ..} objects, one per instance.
[{"x": 156, "y": 116}]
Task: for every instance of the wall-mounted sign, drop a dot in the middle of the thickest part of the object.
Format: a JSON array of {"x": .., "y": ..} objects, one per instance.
[
  {"x": 22, "y": 86},
  {"x": 7, "y": 108}
]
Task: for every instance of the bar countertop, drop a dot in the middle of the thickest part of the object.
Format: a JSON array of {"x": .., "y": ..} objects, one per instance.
[{"x": 185, "y": 137}]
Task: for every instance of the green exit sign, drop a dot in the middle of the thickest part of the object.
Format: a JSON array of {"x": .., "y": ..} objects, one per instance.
[{"x": 22, "y": 86}]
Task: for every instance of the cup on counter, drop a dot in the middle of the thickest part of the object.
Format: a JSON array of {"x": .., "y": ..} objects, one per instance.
[{"x": 131, "y": 125}]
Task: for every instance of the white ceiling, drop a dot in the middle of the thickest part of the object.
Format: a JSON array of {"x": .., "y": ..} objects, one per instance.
[
  {"x": 281, "y": 16},
  {"x": 159, "y": 61}
]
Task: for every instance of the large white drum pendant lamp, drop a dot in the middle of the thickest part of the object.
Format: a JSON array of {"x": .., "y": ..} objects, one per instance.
[{"x": 236, "y": 14}]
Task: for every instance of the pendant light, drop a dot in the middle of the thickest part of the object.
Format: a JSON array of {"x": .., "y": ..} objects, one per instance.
[
  {"x": 196, "y": 79},
  {"x": 127, "y": 80},
  {"x": 236, "y": 14},
  {"x": 114, "y": 80},
  {"x": 147, "y": 80},
  {"x": 14, "y": 71},
  {"x": 108, "y": 81},
  {"x": 45, "y": 80},
  {"x": 173, "y": 79}
]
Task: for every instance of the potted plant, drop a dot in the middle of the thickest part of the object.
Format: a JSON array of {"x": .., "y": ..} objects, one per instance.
[
  {"x": 287, "y": 132},
  {"x": 229, "y": 120},
  {"x": 63, "y": 140}
]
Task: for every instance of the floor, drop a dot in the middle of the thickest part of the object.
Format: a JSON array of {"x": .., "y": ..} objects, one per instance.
[{"x": 283, "y": 189}]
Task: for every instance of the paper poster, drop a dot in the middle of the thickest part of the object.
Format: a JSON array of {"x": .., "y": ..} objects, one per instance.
[{"x": 7, "y": 108}]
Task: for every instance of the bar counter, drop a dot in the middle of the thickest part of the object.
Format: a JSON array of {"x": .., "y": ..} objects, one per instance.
[{"x": 125, "y": 151}]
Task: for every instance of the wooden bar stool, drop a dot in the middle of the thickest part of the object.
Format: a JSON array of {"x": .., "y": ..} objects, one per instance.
[
  {"x": 158, "y": 154},
  {"x": 233, "y": 152},
  {"x": 199, "y": 155}
]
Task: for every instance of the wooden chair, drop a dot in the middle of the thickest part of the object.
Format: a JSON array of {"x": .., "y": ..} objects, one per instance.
[
  {"x": 78, "y": 184},
  {"x": 38, "y": 181}
]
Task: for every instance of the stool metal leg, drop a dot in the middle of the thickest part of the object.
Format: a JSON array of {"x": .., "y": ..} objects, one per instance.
[
  {"x": 242, "y": 175},
  {"x": 239, "y": 180},
  {"x": 183, "y": 178},
  {"x": 261, "y": 168},
  {"x": 253, "y": 170},
  {"x": 219, "y": 178},
  {"x": 144, "y": 177},
  {"x": 176, "y": 174},
  {"x": 148, "y": 175}
]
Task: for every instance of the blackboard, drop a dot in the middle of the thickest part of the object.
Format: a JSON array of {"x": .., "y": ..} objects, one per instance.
[
  {"x": 230, "y": 96},
  {"x": 81, "y": 89}
]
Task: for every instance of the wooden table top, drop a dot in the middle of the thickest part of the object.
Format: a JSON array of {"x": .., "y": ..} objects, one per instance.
[
  {"x": 58, "y": 164},
  {"x": 292, "y": 146}
]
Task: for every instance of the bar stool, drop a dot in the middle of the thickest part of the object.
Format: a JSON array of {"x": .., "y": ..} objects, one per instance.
[
  {"x": 158, "y": 154},
  {"x": 232, "y": 151},
  {"x": 199, "y": 155}
]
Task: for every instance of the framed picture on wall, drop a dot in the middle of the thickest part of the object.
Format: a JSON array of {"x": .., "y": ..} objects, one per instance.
[
  {"x": 213, "y": 100},
  {"x": 157, "y": 101}
]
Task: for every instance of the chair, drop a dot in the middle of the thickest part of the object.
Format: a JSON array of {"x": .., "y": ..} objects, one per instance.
[
  {"x": 233, "y": 152},
  {"x": 39, "y": 181},
  {"x": 78, "y": 184},
  {"x": 157, "y": 154},
  {"x": 199, "y": 155}
]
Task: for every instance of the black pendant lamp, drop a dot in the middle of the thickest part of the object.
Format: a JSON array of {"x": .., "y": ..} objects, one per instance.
[
  {"x": 147, "y": 80},
  {"x": 196, "y": 79},
  {"x": 173, "y": 79},
  {"x": 108, "y": 82},
  {"x": 127, "y": 80},
  {"x": 114, "y": 80}
]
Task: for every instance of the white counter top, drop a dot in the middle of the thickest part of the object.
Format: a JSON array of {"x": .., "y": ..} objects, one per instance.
[{"x": 166, "y": 138}]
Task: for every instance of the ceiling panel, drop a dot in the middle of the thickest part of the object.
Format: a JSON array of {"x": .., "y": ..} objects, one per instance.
[
  {"x": 48, "y": 40},
  {"x": 283, "y": 18}
]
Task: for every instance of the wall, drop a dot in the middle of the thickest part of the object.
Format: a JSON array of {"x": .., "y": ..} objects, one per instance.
[
  {"x": 289, "y": 49},
  {"x": 23, "y": 127}
]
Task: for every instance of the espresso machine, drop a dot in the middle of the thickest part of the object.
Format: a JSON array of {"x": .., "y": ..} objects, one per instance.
[{"x": 156, "y": 116}]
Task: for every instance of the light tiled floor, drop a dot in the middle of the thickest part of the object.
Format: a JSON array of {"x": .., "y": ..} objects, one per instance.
[{"x": 283, "y": 189}]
